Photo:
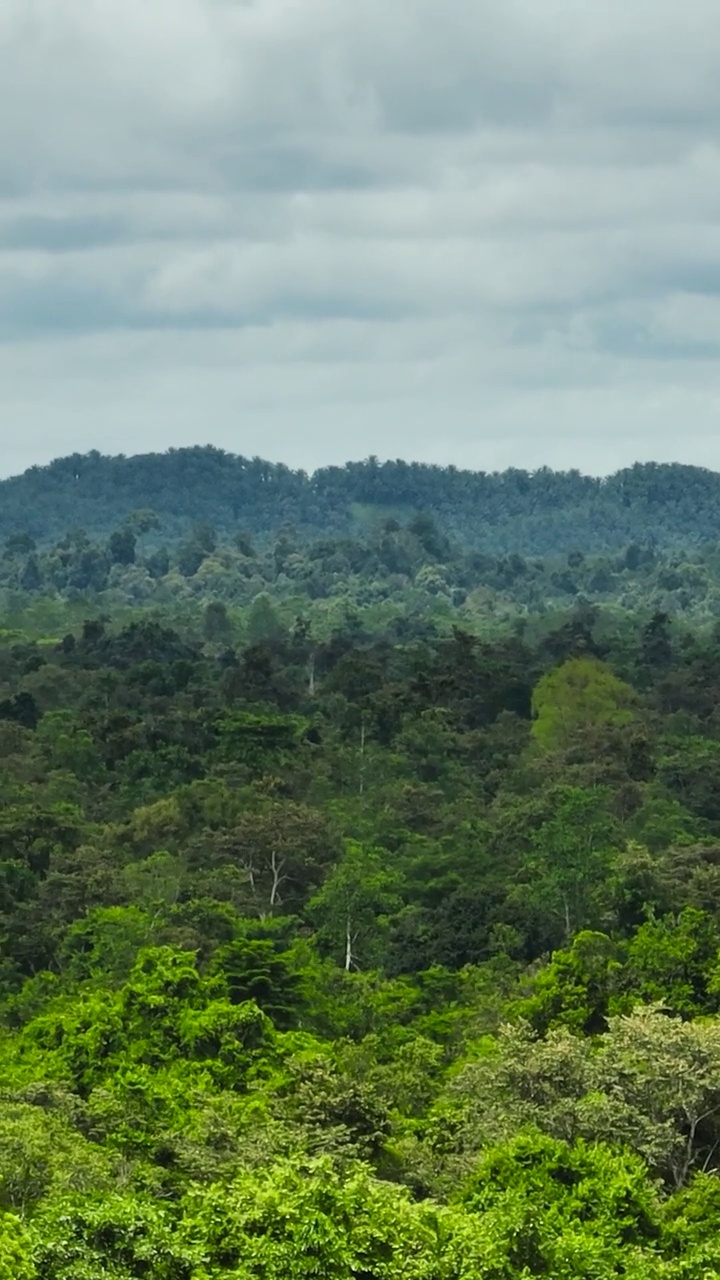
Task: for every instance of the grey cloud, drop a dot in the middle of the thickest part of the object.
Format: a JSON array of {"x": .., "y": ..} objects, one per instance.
[
  {"x": 477, "y": 231},
  {"x": 59, "y": 235}
]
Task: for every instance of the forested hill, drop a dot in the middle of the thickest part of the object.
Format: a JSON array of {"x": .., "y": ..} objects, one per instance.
[{"x": 533, "y": 513}]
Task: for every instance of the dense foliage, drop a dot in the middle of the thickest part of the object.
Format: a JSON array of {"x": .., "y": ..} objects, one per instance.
[
  {"x": 354, "y": 926},
  {"x": 236, "y": 588},
  {"x": 514, "y": 511}
]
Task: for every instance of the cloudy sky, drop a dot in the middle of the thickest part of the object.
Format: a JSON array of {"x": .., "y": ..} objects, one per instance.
[{"x": 475, "y": 231}]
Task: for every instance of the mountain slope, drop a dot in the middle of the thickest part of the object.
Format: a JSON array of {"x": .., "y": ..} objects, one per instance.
[{"x": 532, "y": 513}]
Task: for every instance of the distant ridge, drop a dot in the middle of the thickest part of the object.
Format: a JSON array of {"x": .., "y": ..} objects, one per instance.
[{"x": 539, "y": 512}]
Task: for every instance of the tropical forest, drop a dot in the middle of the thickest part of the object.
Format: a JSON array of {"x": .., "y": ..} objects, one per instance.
[{"x": 359, "y": 872}]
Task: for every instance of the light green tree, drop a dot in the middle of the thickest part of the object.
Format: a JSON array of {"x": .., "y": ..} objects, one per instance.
[
  {"x": 652, "y": 1084},
  {"x": 16, "y": 1261},
  {"x": 306, "y": 1221},
  {"x": 42, "y": 1154},
  {"x": 582, "y": 693}
]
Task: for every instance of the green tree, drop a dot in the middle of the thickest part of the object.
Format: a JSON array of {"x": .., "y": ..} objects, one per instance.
[
  {"x": 257, "y": 969},
  {"x": 163, "y": 1014},
  {"x": 121, "y": 547},
  {"x": 578, "y": 988},
  {"x": 16, "y": 1261},
  {"x": 119, "y": 1236},
  {"x": 263, "y": 624},
  {"x": 104, "y": 944},
  {"x": 651, "y": 1084},
  {"x": 31, "y": 575},
  {"x": 580, "y": 1210},
  {"x": 568, "y": 865},
  {"x": 19, "y": 544},
  {"x": 217, "y": 626},
  {"x": 303, "y": 1220},
  {"x": 244, "y": 544},
  {"x": 42, "y": 1154},
  {"x": 583, "y": 693},
  {"x": 281, "y": 849},
  {"x": 672, "y": 960},
  {"x": 353, "y": 906}
]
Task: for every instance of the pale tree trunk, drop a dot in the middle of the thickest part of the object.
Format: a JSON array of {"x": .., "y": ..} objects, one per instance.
[
  {"x": 251, "y": 872},
  {"x": 276, "y": 866},
  {"x": 350, "y": 961}
]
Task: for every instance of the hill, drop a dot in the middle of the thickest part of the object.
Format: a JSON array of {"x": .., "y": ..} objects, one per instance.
[{"x": 532, "y": 513}]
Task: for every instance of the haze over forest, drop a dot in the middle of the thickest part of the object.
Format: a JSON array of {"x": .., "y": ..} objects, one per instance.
[{"x": 514, "y": 510}]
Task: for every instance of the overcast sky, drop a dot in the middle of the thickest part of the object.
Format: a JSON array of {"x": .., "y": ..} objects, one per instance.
[{"x": 484, "y": 232}]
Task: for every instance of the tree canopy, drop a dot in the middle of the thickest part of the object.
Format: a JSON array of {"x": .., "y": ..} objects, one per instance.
[{"x": 359, "y": 884}]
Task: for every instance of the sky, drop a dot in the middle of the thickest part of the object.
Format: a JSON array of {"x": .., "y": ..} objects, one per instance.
[{"x": 480, "y": 232}]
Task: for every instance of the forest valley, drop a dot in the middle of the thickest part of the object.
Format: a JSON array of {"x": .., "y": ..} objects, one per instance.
[{"x": 359, "y": 906}]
